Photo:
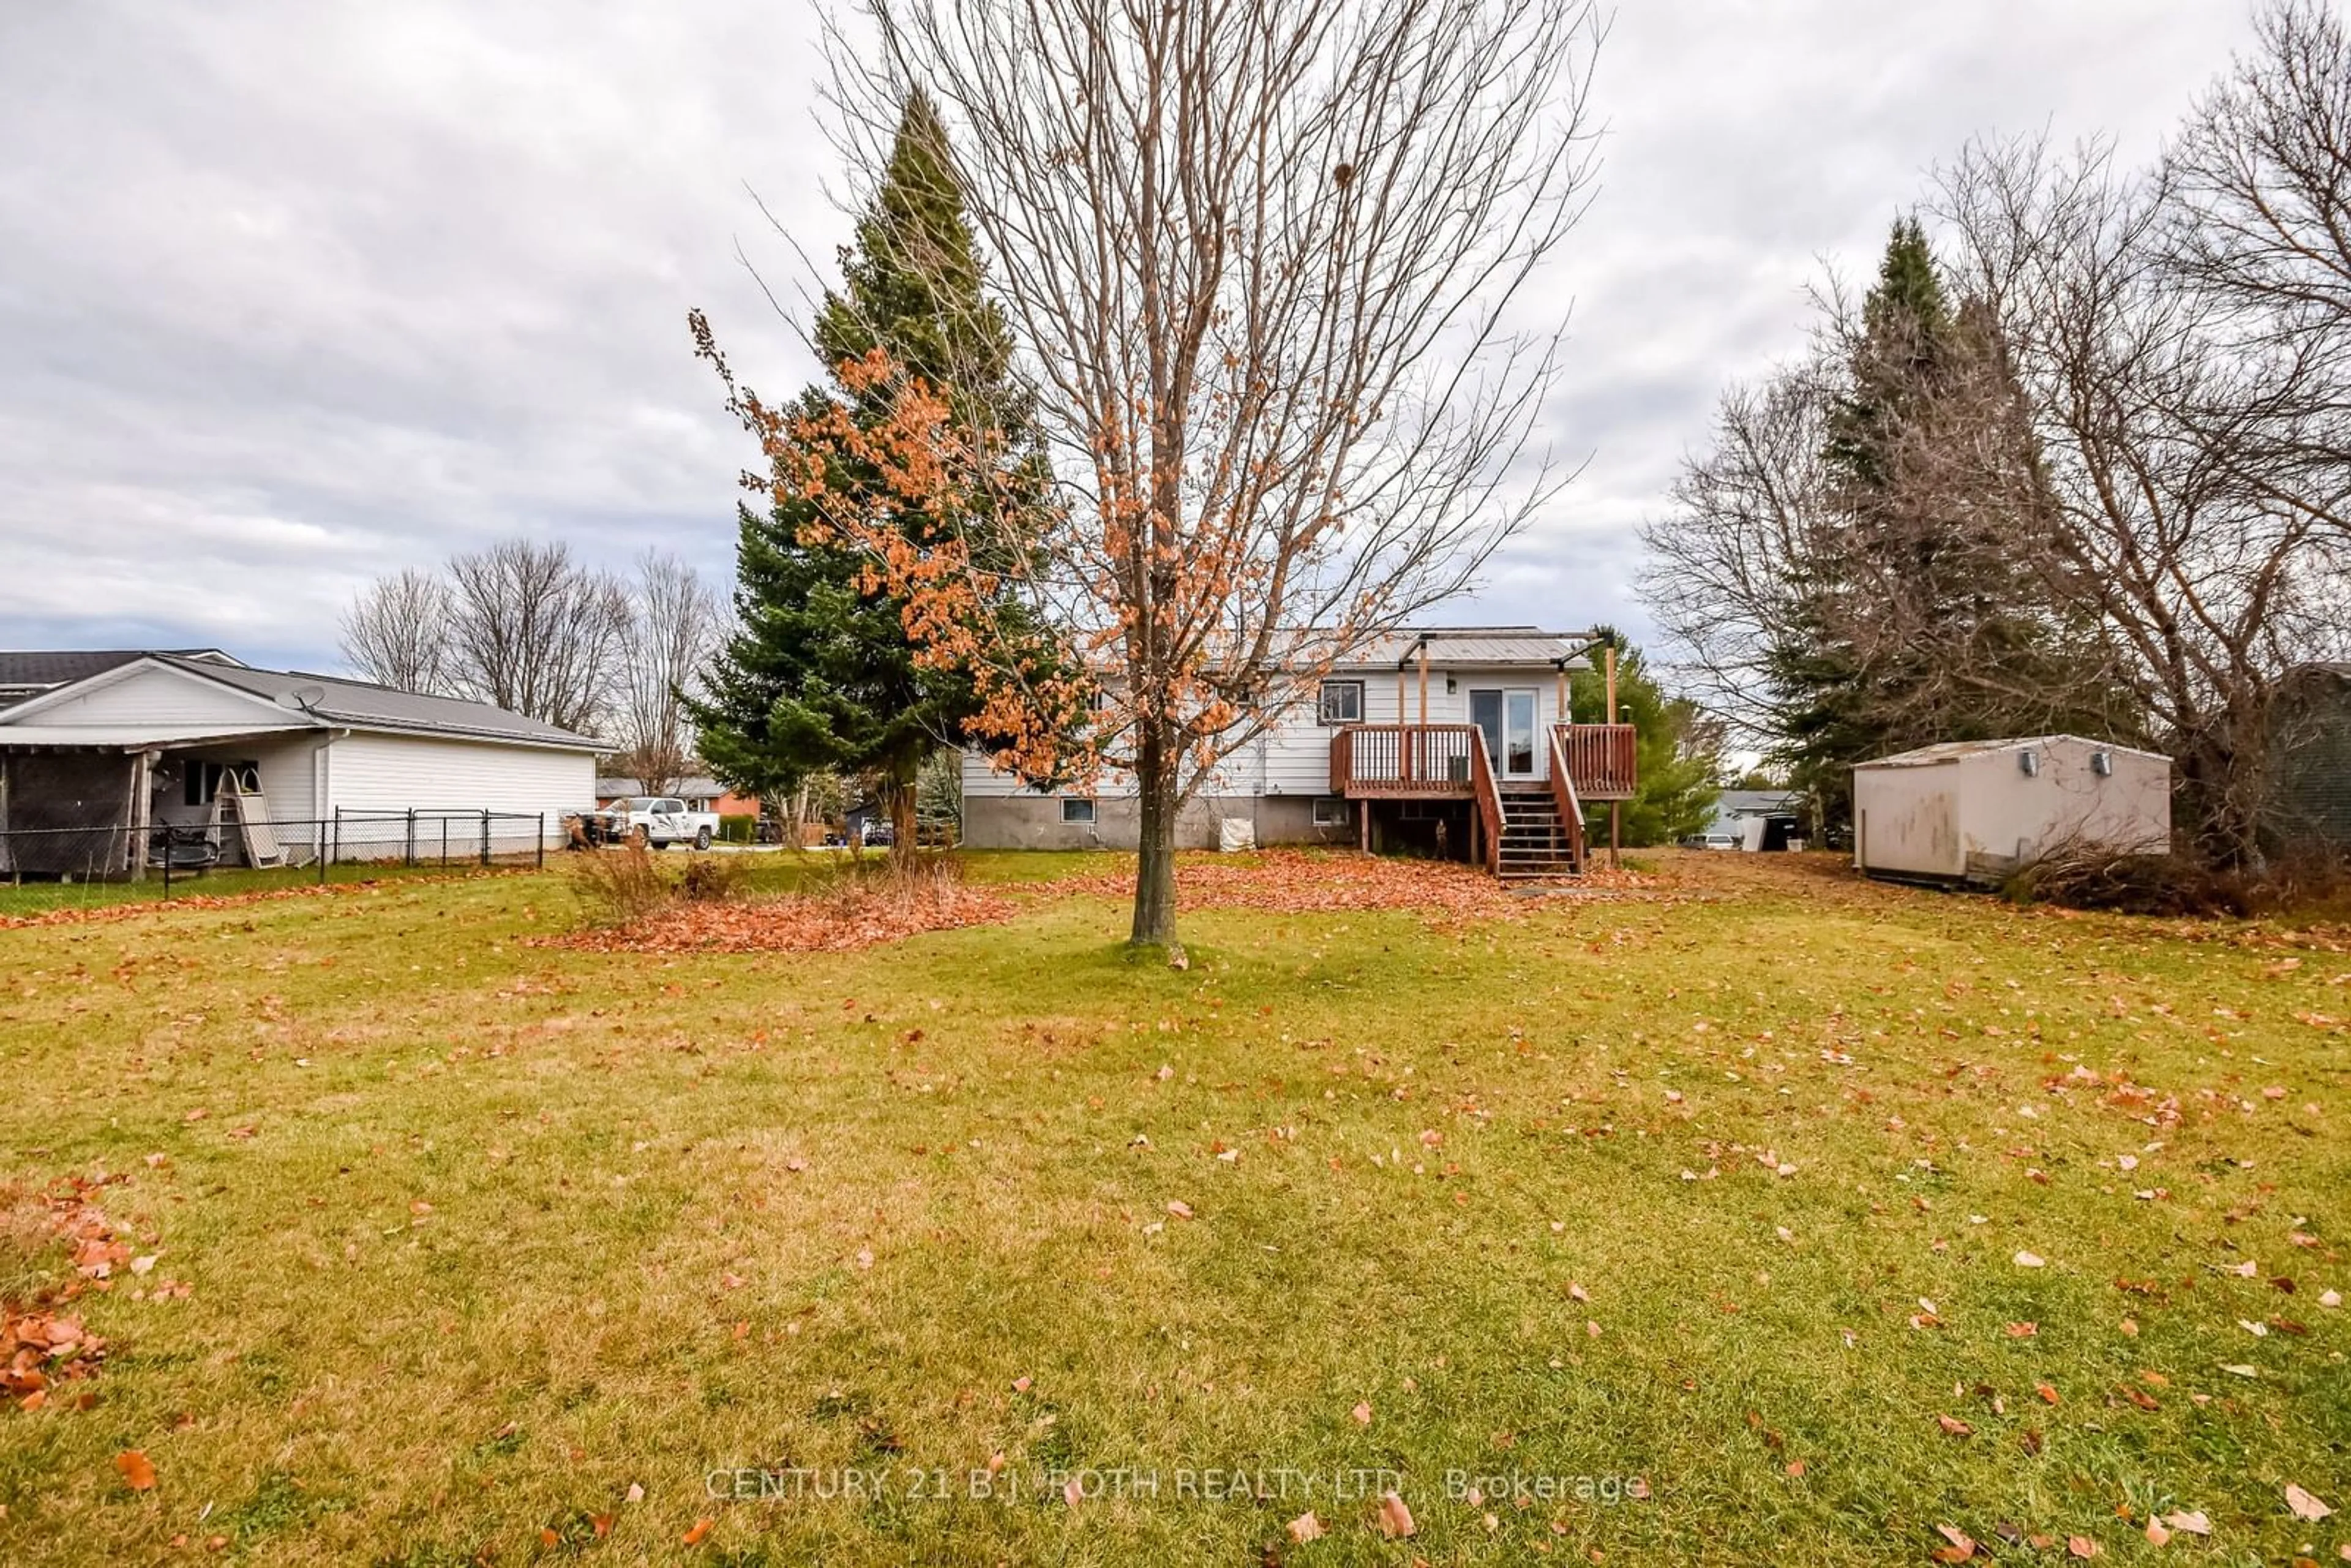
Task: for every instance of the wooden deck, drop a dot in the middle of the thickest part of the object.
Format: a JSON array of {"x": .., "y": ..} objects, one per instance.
[{"x": 1440, "y": 761}]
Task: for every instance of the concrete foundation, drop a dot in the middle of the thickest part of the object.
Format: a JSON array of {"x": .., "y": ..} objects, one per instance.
[{"x": 1034, "y": 822}]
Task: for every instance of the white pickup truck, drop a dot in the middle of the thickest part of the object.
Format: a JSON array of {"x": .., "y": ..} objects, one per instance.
[{"x": 662, "y": 820}]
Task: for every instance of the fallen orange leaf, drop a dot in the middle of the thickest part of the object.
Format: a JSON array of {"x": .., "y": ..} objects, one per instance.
[{"x": 138, "y": 1471}]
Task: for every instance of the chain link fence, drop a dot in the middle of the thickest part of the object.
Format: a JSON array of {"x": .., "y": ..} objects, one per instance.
[{"x": 54, "y": 867}]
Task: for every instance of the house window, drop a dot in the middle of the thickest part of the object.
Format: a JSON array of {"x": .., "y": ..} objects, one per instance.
[
  {"x": 1341, "y": 701},
  {"x": 201, "y": 782},
  {"x": 1331, "y": 812},
  {"x": 1075, "y": 810}
]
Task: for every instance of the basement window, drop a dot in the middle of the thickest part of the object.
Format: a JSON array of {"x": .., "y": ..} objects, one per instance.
[
  {"x": 1331, "y": 812},
  {"x": 1075, "y": 810}
]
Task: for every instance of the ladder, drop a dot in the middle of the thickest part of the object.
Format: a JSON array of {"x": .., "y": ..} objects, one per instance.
[{"x": 251, "y": 809}]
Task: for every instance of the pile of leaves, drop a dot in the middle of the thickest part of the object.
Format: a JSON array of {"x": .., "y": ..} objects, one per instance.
[
  {"x": 1305, "y": 882},
  {"x": 42, "y": 1345},
  {"x": 856, "y": 911}
]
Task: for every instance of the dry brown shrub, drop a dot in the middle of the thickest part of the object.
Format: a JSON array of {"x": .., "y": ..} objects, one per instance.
[
  {"x": 2086, "y": 876},
  {"x": 712, "y": 879},
  {"x": 620, "y": 887}
]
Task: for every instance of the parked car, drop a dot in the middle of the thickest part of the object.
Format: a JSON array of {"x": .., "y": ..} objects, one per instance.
[{"x": 660, "y": 821}]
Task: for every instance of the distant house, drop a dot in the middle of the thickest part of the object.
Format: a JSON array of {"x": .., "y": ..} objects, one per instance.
[
  {"x": 1979, "y": 810},
  {"x": 1737, "y": 811},
  {"x": 700, "y": 792},
  {"x": 102, "y": 753},
  {"x": 2310, "y": 757},
  {"x": 1452, "y": 741}
]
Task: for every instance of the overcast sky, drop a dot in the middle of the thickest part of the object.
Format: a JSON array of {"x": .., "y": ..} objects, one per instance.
[{"x": 292, "y": 295}]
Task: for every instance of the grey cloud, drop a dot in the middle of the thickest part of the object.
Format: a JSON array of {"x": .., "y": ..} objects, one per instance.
[{"x": 291, "y": 295}]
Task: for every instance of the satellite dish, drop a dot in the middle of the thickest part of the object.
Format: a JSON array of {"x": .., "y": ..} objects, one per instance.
[{"x": 303, "y": 697}]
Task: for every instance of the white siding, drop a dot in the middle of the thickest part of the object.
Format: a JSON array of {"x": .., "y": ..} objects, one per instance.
[
  {"x": 1980, "y": 814},
  {"x": 367, "y": 772},
  {"x": 288, "y": 768},
  {"x": 158, "y": 695},
  {"x": 2008, "y": 816},
  {"x": 1906, "y": 820},
  {"x": 1293, "y": 758}
]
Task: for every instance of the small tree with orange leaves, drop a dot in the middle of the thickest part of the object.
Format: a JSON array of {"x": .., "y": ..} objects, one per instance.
[{"x": 1258, "y": 256}]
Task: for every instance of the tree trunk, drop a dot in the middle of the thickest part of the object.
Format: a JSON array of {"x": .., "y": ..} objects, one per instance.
[
  {"x": 2221, "y": 793},
  {"x": 898, "y": 797},
  {"x": 1154, "y": 870}
]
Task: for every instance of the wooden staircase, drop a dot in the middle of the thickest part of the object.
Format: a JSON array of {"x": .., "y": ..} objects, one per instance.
[{"x": 1535, "y": 841}]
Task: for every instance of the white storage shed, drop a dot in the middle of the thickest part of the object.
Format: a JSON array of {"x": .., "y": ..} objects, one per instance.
[{"x": 1978, "y": 809}]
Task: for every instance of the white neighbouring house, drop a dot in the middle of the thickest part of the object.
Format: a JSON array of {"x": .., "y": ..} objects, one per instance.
[
  {"x": 1454, "y": 741},
  {"x": 100, "y": 752}
]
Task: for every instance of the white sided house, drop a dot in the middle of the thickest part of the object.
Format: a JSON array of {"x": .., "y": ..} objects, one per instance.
[
  {"x": 1455, "y": 741},
  {"x": 1975, "y": 810},
  {"x": 109, "y": 759}
]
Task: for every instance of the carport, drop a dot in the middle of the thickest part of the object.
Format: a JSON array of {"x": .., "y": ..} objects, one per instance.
[{"x": 81, "y": 800}]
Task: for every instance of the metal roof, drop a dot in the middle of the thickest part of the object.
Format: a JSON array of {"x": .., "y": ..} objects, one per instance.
[
  {"x": 1734, "y": 803},
  {"x": 337, "y": 699},
  {"x": 696, "y": 785},
  {"x": 1953, "y": 750},
  {"x": 308, "y": 701},
  {"x": 1458, "y": 645},
  {"x": 28, "y": 674}
]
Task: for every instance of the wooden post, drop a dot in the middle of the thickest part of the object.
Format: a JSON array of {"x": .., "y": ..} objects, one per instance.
[
  {"x": 1364, "y": 824},
  {"x": 1615, "y": 808},
  {"x": 1424, "y": 686},
  {"x": 135, "y": 861},
  {"x": 142, "y": 815},
  {"x": 1560, "y": 713}
]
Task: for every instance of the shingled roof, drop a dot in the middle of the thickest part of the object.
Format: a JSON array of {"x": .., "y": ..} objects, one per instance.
[{"x": 308, "y": 701}]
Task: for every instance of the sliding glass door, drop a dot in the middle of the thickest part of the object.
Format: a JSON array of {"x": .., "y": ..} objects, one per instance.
[{"x": 1506, "y": 717}]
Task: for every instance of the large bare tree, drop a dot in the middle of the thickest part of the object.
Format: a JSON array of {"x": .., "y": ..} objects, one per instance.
[
  {"x": 1262, "y": 255},
  {"x": 2257, "y": 223},
  {"x": 537, "y": 631},
  {"x": 674, "y": 623},
  {"x": 2168, "y": 515},
  {"x": 396, "y": 633}
]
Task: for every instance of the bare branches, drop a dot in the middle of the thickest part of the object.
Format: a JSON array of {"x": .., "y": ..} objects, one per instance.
[
  {"x": 537, "y": 632},
  {"x": 396, "y": 634},
  {"x": 2153, "y": 424},
  {"x": 673, "y": 625},
  {"x": 527, "y": 627},
  {"x": 2173, "y": 518},
  {"x": 1258, "y": 253},
  {"x": 1724, "y": 567}
]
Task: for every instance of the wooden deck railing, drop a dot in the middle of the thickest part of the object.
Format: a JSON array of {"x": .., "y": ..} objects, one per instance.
[
  {"x": 1405, "y": 759},
  {"x": 1563, "y": 795},
  {"x": 1489, "y": 805},
  {"x": 1600, "y": 758}
]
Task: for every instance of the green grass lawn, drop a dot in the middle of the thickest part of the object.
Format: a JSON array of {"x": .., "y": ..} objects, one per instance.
[{"x": 1610, "y": 1198}]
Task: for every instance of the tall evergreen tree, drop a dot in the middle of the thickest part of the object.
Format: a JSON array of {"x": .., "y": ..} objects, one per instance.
[
  {"x": 1828, "y": 675},
  {"x": 1676, "y": 792},
  {"x": 1914, "y": 620},
  {"x": 820, "y": 675}
]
